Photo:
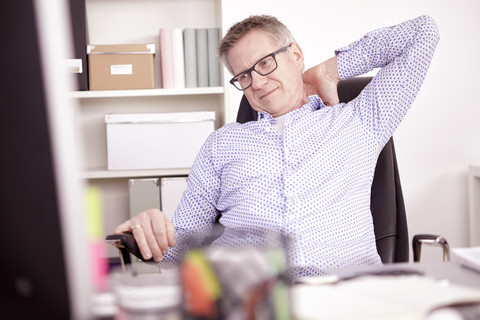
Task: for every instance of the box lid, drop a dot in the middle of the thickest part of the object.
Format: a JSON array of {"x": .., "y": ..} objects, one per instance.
[
  {"x": 148, "y": 48},
  {"x": 168, "y": 117}
]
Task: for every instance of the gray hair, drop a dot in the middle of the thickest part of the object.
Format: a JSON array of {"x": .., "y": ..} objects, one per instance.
[{"x": 270, "y": 25}]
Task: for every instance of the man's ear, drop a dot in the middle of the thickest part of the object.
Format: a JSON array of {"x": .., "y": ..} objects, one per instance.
[{"x": 297, "y": 54}]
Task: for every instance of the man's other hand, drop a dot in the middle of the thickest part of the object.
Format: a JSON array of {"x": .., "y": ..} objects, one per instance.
[{"x": 153, "y": 231}]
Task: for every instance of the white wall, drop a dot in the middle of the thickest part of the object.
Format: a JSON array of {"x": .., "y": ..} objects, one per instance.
[{"x": 440, "y": 136}]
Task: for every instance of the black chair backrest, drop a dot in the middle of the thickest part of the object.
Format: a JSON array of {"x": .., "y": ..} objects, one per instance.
[{"x": 386, "y": 203}]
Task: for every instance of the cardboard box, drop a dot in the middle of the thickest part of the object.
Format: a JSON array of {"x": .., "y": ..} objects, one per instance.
[
  {"x": 120, "y": 67},
  {"x": 156, "y": 140}
]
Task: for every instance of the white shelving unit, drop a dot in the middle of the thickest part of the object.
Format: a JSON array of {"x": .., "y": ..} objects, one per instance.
[{"x": 138, "y": 21}]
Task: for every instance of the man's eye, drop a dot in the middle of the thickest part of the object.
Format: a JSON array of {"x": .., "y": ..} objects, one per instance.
[
  {"x": 265, "y": 63},
  {"x": 243, "y": 77}
]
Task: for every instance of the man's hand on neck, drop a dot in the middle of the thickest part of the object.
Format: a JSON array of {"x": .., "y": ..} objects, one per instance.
[{"x": 322, "y": 80}]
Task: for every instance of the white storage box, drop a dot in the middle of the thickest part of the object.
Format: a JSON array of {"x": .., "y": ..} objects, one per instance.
[{"x": 156, "y": 140}]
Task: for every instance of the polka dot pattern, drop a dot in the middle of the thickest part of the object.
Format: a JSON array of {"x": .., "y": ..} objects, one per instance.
[{"x": 311, "y": 184}]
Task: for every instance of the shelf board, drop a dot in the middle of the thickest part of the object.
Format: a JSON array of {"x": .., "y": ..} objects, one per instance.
[
  {"x": 112, "y": 174},
  {"x": 145, "y": 92}
]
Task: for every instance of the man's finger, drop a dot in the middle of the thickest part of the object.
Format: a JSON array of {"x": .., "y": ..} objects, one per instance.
[
  {"x": 124, "y": 227},
  {"x": 172, "y": 242},
  {"x": 139, "y": 235},
  {"x": 160, "y": 231}
]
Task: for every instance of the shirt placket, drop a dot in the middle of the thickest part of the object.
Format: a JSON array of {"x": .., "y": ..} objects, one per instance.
[{"x": 289, "y": 219}]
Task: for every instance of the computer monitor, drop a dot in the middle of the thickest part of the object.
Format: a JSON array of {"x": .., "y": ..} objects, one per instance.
[{"x": 44, "y": 269}]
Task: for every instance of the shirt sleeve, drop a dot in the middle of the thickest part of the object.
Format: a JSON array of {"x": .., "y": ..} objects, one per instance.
[
  {"x": 196, "y": 214},
  {"x": 403, "y": 52}
]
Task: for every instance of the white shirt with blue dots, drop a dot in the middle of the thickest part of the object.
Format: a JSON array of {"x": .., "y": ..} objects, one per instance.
[{"x": 312, "y": 184}]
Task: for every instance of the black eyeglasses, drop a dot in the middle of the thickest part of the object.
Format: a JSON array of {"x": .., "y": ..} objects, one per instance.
[{"x": 263, "y": 67}]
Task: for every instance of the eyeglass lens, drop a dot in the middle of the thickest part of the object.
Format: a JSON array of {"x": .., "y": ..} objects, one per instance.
[{"x": 262, "y": 67}]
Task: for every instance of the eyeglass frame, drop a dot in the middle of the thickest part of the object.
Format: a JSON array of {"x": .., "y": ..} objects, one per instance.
[{"x": 249, "y": 71}]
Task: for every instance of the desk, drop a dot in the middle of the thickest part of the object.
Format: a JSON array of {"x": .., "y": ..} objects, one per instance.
[
  {"x": 368, "y": 298},
  {"x": 387, "y": 297}
]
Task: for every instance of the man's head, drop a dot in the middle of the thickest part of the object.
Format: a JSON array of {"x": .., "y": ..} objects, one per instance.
[{"x": 266, "y": 63}]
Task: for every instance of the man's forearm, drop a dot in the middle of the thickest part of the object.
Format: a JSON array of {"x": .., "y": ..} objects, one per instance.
[
  {"x": 331, "y": 69},
  {"x": 403, "y": 53},
  {"x": 383, "y": 46}
]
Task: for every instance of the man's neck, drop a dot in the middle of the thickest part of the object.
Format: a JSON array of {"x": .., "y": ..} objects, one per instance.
[{"x": 279, "y": 122}]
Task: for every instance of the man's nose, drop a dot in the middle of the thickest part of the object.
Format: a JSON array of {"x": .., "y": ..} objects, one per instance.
[{"x": 258, "y": 80}]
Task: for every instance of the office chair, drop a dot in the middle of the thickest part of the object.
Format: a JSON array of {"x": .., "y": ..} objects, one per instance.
[{"x": 386, "y": 203}]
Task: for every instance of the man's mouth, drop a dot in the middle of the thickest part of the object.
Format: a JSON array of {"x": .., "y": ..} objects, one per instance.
[{"x": 267, "y": 93}]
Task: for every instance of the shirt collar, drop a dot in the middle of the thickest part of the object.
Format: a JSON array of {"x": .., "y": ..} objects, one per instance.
[{"x": 313, "y": 103}]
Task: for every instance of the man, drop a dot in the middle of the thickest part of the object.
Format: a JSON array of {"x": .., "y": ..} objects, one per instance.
[{"x": 305, "y": 167}]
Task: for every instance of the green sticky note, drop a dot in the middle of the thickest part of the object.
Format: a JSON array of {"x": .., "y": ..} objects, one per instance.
[{"x": 93, "y": 205}]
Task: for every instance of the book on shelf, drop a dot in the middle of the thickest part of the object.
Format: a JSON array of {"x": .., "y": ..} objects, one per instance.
[
  {"x": 213, "y": 40},
  {"x": 190, "y": 51},
  {"x": 189, "y": 57},
  {"x": 202, "y": 57},
  {"x": 178, "y": 58},
  {"x": 166, "y": 58}
]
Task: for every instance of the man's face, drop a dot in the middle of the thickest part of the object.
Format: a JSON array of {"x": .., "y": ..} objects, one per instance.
[{"x": 278, "y": 92}]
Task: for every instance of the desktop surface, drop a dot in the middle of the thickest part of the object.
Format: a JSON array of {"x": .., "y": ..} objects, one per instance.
[
  {"x": 395, "y": 291},
  {"x": 452, "y": 271}
]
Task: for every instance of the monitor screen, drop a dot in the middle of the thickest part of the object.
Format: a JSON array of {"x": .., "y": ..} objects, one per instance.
[{"x": 35, "y": 275}]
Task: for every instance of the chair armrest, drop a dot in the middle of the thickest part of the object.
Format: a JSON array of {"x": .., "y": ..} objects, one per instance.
[
  {"x": 127, "y": 245},
  {"x": 430, "y": 239}
]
